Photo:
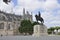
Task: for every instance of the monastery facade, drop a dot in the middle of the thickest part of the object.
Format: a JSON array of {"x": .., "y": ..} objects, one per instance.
[{"x": 9, "y": 23}]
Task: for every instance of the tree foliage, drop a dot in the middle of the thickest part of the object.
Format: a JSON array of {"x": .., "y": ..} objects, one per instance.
[
  {"x": 57, "y": 28},
  {"x": 26, "y": 27},
  {"x": 51, "y": 29}
]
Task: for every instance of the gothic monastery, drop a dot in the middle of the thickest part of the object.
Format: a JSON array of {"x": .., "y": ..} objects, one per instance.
[{"x": 9, "y": 23}]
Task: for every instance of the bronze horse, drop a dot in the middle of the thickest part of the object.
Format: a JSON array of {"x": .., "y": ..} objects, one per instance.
[
  {"x": 6, "y": 1},
  {"x": 39, "y": 18}
]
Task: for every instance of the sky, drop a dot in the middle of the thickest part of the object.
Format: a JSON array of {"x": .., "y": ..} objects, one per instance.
[{"x": 49, "y": 9}]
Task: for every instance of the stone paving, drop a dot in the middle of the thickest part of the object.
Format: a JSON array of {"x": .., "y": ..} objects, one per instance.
[{"x": 29, "y": 38}]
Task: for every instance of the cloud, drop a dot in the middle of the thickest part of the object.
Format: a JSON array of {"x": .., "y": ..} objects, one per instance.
[
  {"x": 50, "y": 4},
  {"x": 18, "y": 10},
  {"x": 51, "y": 19},
  {"x": 6, "y": 7},
  {"x": 30, "y": 4},
  {"x": 34, "y": 4}
]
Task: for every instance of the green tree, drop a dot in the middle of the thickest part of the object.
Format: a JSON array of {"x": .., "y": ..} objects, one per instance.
[
  {"x": 26, "y": 27},
  {"x": 51, "y": 30},
  {"x": 57, "y": 28}
]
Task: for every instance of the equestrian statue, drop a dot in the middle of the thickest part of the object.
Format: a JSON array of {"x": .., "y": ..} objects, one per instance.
[{"x": 39, "y": 18}]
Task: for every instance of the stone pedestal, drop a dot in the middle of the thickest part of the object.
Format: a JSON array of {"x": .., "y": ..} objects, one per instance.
[{"x": 40, "y": 30}]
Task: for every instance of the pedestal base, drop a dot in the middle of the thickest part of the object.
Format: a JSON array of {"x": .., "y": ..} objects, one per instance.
[{"x": 40, "y": 30}]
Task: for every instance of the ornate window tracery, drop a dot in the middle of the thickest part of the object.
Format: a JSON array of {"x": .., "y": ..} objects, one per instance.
[{"x": 2, "y": 17}]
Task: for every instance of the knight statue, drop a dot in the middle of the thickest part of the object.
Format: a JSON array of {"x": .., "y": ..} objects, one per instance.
[{"x": 39, "y": 18}]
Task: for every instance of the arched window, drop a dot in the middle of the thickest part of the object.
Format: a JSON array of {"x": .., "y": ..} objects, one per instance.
[{"x": 1, "y": 25}]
